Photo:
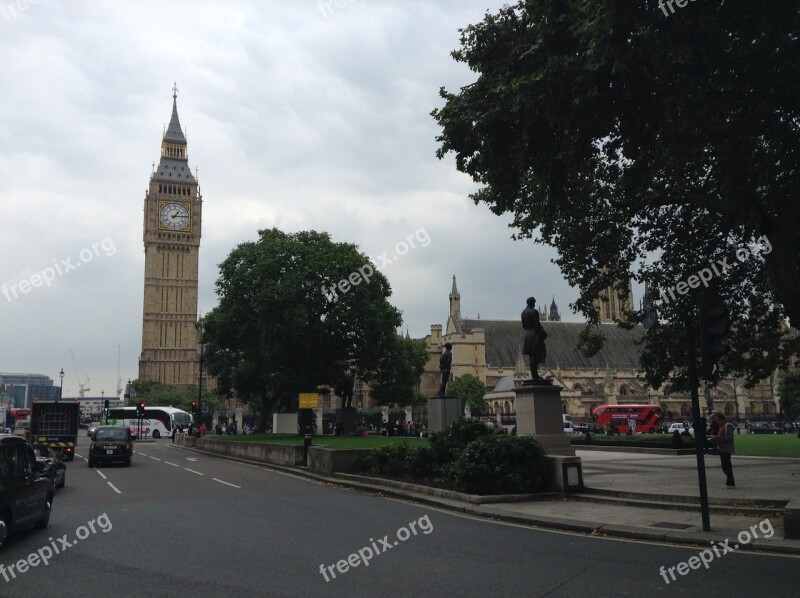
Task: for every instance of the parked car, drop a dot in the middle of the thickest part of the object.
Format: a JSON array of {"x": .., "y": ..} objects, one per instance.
[
  {"x": 110, "y": 444},
  {"x": 92, "y": 429},
  {"x": 25, "y": 498},
  {"x": 54, "y": 469},
  {"x": 680, "y": 427},
  {"x": 765, "y": 428}
]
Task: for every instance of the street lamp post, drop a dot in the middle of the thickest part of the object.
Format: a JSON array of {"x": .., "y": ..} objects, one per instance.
[
  {"x": 307, "y": 413},
  {"x": 200, "y": 377}
]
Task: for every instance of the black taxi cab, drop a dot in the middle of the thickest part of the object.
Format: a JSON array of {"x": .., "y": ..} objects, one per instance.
[
  {"x": 110, "y": 444},
  {"x": 25, "y": 498}
]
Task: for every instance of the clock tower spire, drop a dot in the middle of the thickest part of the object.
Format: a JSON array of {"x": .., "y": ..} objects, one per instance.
[{"x": 172, "y": 218}]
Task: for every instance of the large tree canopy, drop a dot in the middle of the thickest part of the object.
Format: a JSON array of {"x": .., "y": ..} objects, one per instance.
[
  {"x": 646, "y": 146},
  {"x": 470, "y": 390},
  {"x": 280, "y": 328},
  {"x": 401, "y": 366}
]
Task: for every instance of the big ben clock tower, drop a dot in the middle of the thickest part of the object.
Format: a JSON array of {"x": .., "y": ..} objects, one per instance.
[{"x": 172, "y": 217}]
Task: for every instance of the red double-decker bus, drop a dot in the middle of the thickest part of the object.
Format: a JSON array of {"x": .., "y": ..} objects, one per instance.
[
  {"x": 646, "y": 417},
  {"x": 19, "y": 414},
  {"x": 19, "y": 422}
]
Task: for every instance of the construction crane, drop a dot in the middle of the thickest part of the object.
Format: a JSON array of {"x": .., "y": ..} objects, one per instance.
[{"x": 82, "y": 386}]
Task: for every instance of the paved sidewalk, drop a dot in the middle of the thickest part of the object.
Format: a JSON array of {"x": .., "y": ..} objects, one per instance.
[
  {"x": 657, "y": 479},
  {"x": 757, "y": 478}
]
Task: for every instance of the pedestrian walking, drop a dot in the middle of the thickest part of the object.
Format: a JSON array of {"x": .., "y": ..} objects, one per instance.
[{"x": 724, "y": 442}]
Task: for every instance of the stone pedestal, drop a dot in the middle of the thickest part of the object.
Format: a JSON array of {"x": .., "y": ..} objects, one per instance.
[
  {"x": 409, "y": 414},
  {"x": 442, "y": 412},
  {"x": 347, "y": 416},
  {"x": 539, "y": 413},
  {"x": 284, "y": 423},
  {"x": 318, "y": 415}
]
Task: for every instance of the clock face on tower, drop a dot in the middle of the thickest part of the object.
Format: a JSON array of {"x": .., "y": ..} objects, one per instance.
[{"x": 174, "y": 216}]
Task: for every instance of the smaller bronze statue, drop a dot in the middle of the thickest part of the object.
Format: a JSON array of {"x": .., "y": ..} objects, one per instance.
[
  {"x": 345, "y": 389},
  {"x": 534, "y": 338},
  {"x": 445, "y": 361}
]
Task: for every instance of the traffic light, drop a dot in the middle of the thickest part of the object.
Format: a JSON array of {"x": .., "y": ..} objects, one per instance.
[
  {"x": 715, "y": 323},
  {"x": 140, "y": 410},
  {"x": 194, "y": 408},
  {"x": 105, "y": 408}
]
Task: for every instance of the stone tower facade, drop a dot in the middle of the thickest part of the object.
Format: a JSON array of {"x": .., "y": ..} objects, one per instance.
[
  {"x": 612, "y": 305},
  {"x": 172, "y": 225}
]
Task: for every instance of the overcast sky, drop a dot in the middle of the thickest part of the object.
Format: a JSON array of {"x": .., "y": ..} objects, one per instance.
[{"x": 299, "y": 115}]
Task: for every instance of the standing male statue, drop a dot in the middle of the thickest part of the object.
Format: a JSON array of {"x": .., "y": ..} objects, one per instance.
[
  {"x": 345, "y": 389},
  {"x": 445, "y": 361},
  {"x": 534, "y": 337}
]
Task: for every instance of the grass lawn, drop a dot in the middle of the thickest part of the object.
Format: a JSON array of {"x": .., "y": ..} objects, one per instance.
[
  {"x": 767, "y": 445},
  {"x": 336, "y": 442},
  {"x": 747, "y": 445}
]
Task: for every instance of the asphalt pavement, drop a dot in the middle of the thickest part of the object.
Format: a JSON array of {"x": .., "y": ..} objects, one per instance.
[
  {"x": 179, "y": 523},
  {"x": 643, "y": 496}
]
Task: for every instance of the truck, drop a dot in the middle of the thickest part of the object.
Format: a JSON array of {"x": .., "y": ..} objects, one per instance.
[{"x": 55, "y": 423}]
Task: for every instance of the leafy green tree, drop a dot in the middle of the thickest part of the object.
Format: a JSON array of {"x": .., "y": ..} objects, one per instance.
[
  {"x": 648, "y": 147},
  {"x": 400, "y": 367},
  {"x": 470, "y": 390},
  {"x": 294, "y": 311},
  {"x": 789, "y": 389}
]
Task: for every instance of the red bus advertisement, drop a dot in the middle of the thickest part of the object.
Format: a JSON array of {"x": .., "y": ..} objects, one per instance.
[
  {"x": 18, "y": 414},
  {"x": 645, "y": 417}
]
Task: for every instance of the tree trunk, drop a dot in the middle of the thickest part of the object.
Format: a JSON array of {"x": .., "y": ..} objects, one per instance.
[{"x": 783, "y": 263}]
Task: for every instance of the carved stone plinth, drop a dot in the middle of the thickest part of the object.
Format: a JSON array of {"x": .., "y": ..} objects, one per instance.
[
  {"x": 443, "y": 411},
  {"x": 539, "y": 413},
  {"x": 347, "y": 416}
]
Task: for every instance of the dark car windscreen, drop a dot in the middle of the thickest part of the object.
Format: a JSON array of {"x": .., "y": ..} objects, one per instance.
[{"x": 118, "y": 435}]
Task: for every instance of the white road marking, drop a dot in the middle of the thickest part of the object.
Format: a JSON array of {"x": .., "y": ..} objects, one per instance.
[
  {"x": 173, "y": 464},
  {"x": 101, "y": 474},
  {"x": 155, "y": 458},
  {"x": 114, "y": 487},
  {"x": 193, "y": 471},
  {"x": 226, "y": 483},
  {"x": 191, "y": 458}
]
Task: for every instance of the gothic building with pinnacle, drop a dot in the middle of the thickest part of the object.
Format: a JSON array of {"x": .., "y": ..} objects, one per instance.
[{"x": 491, "y": 350}]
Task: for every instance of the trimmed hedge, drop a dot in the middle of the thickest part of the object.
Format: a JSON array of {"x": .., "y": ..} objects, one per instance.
[
  {"x": 469, "y": 457},
  {"x": 501, "y": 464},
  {"x": 650, "y": 441}
]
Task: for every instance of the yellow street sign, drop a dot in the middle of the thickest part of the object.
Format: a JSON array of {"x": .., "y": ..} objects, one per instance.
[{"x": 309, "y": 400}]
